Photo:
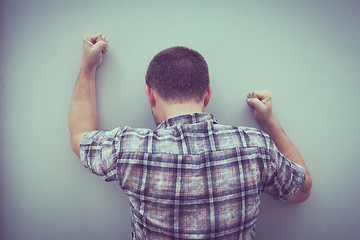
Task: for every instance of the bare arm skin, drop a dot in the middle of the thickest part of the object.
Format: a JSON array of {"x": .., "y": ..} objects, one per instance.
[
  {"x": 260, "y": 103},
  {"x": 83, "y": 111}
]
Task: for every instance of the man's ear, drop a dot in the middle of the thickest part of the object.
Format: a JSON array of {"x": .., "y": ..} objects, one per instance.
[
  {"x": 150, "y": 95},
  {"x": 207, "y": 96}
]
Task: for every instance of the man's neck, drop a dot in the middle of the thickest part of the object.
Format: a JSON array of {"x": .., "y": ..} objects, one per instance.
[
  {"x": 174, "y": 110},
  {"x": 170, "y": 110}
]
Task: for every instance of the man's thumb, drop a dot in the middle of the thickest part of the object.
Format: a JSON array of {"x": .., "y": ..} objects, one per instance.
[
  {"x": 101, "y": 46},
  {"x": 254, "y": 103}
]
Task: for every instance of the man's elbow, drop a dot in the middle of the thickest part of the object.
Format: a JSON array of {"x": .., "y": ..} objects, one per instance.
[
  {"x": 299, "y": 197},
  {"x": 75, "y": 143},
  {"x": 75, "y": 146},
  {"x": 306, "y": 188},
  {"x": 304, "y": 192},
  {"x": 305, "y": 195}
]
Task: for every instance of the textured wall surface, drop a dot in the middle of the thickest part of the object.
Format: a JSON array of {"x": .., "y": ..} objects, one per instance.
[{"x": 305, "y": 52}]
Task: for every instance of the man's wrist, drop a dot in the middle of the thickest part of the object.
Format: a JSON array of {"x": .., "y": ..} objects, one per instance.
[
  {"x": 87, "y": 71},
  {"x": 268, "y": 122},
  {"x": 271, "y": 125}
]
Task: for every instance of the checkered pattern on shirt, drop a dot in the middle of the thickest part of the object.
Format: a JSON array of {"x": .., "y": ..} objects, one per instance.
[{"x": 192, "y": 178}]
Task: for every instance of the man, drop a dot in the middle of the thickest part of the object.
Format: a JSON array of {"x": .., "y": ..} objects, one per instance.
[{"x": 190, "y": 178}]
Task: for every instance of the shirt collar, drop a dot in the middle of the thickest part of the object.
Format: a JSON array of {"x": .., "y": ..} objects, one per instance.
[{"x": 188, "y": 119}]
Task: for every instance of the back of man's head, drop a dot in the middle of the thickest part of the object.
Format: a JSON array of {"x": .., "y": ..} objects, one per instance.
[{"x": 178, "y": 75}]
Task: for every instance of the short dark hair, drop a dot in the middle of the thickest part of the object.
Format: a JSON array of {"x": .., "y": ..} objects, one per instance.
[{"x": 178, "y": 74}]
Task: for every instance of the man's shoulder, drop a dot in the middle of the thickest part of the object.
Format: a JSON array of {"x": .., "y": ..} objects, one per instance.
[
  {"x": 242, "y": 136},
  {"x": 251, "y": 131}
]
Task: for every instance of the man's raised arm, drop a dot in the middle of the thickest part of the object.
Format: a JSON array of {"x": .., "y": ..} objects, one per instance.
[
  {"x": 260, "y": 103},
  {"x": 83, "y": 111}
]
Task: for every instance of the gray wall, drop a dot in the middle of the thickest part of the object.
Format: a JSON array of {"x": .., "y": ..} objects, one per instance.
[{"x": 305, "y": 52}]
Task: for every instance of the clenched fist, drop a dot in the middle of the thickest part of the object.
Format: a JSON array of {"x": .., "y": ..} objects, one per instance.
[
  {"x": 260, "y": 103},
  {"x": 94, "y": 47}
]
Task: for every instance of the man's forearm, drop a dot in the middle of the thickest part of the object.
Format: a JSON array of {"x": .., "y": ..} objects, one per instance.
[{"x": 83, "y": 110}]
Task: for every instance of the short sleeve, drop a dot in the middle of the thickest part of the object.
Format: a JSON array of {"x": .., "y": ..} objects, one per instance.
[
  {"x": 284, "y": 177},
  {"x": 99, "y": 153}
]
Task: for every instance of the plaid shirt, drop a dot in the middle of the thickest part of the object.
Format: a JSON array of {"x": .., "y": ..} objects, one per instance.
[{"x": 192, "y": 178}]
